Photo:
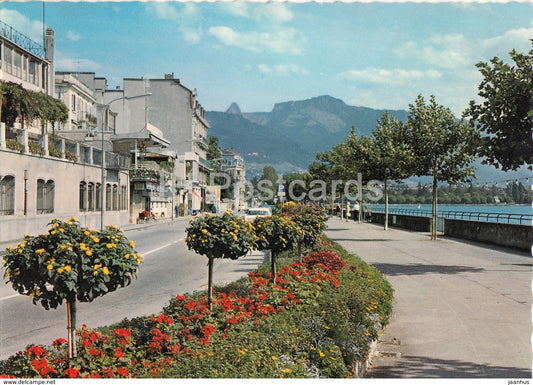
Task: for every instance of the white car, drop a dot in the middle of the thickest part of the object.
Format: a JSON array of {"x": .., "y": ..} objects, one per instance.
[{"x": 253, "y": 212}]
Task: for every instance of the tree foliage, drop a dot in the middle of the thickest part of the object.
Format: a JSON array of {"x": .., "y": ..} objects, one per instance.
[
  {"x": 19, "y": 103},
  {"x": 506, "y": 114},
  {"x": 442, "y": 147}
]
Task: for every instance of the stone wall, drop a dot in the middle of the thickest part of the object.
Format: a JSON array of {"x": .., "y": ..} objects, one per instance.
[{"x": 503, "y": 234}]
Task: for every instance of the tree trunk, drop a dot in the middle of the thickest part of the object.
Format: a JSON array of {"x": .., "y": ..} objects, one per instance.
[
  {"x": 210, "y": 281},
  {"x": 434, "y": 211},
  {"x": 386, "y": 227},
  {"x": 71, "y": 327},
  {"x": 273, "y": 265}
]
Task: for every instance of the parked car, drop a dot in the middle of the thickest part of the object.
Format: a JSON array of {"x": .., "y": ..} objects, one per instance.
[{"x": 253, "y": 212}]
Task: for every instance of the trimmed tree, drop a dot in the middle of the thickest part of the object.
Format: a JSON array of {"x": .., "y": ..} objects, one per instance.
[
  {"x": 226, "y": 236},
  {"x": 443, "y": 147},
  {"x": 71, "y": 263},
  {"x": 506, "y": 113},
  {"x": 277, "y": 234},
  {"x": 393, "y": 154}
]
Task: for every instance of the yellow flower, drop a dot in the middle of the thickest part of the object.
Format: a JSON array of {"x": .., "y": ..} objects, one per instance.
[
  {"x": 127, "y": 256},
  {"x": 105, "y": 270},
  {"x": 95, "y": 272},
  {"x": 61, "y": 229},
  {"x": 53, "y": 232},
  {"x": 62, "y": 246},
  {"x": 322, "y": 354},
  {"x": 274, "y": 358},
  {"x": 110, "y": 245},
  {"x": 286, "y": 370},
  {"x": 204, "y": 231},
  {"x": 50, "y": 267},
  {"x": 87, "y": 232},
  {"x": 60, "y": 270},
  {"x": 68, "y": 268},
  {"x": 74, "y": 219},
  {"x": 327, "y": 327},
  {"x": 88, "y": 253},
  {"x": 132, "y": 244},
  {"x": 83, "y": 246},
  {"x": 96, "y": 240},
  {"x": 40, "y": 251}
]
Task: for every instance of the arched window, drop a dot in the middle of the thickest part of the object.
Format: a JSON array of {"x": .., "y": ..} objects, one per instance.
[
  {"x": 90, "y": 196},
  {"x": 7, "y": 195},
  {"x": 98, "y": 200},
  {"x": 45, "y": 196},
  {"x": 115, "y": 197},
  {"x": 83, "y": 196},
  {"x": 108, "y": 197}
]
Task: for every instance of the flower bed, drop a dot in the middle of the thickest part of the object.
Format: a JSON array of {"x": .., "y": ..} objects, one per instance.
[{"x": 316, "y": 321}]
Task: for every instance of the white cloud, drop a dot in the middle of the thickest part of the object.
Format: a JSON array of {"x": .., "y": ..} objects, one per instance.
[
  {"x": 73, "y": 36},
  {"x": 391, "y": 77},
  {"x": 282, "y": 69},
  {"x": 272, "y": 12},
  {"x": 456, "y": 51},
  {"x": 193, "y": 36},
  {"x": 287, "y": 40},
  {"x": 30, "y": 28},
  {"x": 72, "y": 64}
]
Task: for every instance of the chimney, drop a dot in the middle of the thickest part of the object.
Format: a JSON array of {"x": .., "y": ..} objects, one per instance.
[
  {"x": 169, "y": 76},
  {"x": 49, "y": 54}
]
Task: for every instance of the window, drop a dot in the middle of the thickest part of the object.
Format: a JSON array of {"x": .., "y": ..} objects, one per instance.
[
  {"x": 90, "y": 196},
  {"x": 108, "y": 197},
  {"x": 17, "y": 64},
  {"x": 83, "y": 196},
  {"x": 115, "y": 197},
  {"x": 45, "y": 196},
  {"x": 8, "y": 51},
  {"x": 124, "y": 198},
  {"x": 33, "y": 72},
  {"x": 7, "y": 195},
  {"x": 98, "y": 199},
  {"x": 73, "y": 105}
]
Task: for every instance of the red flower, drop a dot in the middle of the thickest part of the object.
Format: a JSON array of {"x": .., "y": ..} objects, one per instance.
[
  {"x": 95, "y": 352},
  {"x": 124, "y": 372},
  {"x": 122, "y": 332},
  {"x": 108, "y": 372},
  {"x": 59, "y": 342},
  {"x": 118, "y": 353},
  {"x": 71, "y": 373},
  {"x": 37, "y": 350},
  {"x": 86, "y": 343},
  {"x": 42, "y": 366}
]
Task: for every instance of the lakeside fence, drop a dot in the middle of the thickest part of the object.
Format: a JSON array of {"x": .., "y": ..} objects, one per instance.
[
  {"x": 503, "y": 229},
  {"x": 516, "y": 218}
]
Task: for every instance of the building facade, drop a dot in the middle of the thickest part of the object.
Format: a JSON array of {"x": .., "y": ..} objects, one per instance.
[{"x": 175, "y": 110}]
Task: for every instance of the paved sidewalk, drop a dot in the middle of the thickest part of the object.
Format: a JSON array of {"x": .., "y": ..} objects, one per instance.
[{"x": 462, "y": 310}]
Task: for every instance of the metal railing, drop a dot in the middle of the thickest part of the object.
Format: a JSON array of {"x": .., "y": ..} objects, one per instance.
[
  {"x": 20, "y": 39},
  {"x": 516, "y": 218}
]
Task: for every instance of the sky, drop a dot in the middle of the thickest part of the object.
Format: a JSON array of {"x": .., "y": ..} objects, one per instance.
[{"x": 377, "y": 55}]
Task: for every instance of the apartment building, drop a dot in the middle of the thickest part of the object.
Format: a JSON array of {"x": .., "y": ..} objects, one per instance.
[{"x": 175, "y": 110}]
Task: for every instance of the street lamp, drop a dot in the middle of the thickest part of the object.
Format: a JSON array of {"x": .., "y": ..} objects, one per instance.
[{"x": 102, "y": 171}]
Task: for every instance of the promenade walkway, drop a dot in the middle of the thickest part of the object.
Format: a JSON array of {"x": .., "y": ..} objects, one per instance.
[{"x": 462, "y": 310}]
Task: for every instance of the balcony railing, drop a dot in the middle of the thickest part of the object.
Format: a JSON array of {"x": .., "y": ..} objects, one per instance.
[{"x": 20, "y": 39}]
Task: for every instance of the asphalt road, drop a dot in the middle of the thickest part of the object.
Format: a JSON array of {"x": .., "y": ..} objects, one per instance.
[{"x": 169, "y": 268}]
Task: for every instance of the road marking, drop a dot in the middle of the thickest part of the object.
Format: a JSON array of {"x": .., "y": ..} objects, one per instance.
[
  {"x": 162, "y": 247},
  {"x": 10, "y": 296}
]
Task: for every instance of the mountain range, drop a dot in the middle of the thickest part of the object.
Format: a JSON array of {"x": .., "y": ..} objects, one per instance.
[{"x": 288, "y": 137}]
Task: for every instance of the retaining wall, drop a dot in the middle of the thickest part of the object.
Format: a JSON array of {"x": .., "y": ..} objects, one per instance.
[{"x": 502, "y": 234}]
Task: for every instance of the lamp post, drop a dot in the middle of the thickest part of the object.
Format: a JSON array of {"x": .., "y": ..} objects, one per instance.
[{"x": 102, "y": 169}]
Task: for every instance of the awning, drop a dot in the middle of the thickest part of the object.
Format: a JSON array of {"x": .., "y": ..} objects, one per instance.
[{"x": 197, "y": 195}]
